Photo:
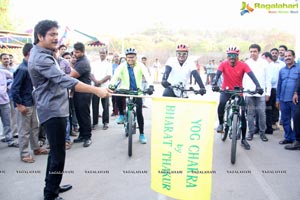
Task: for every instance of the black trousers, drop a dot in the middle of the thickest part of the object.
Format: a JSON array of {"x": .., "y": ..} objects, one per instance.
[
  {"x": 271, "y": 110},
  {"x": 275, "y": 111},
  {"x": 139, "y": 111},
  {"x": 296, "y": 122},
  {"x": 55, "y": 129},
  {"x": 105, "y": 108},
  {"x": 221, "y": 111},
  {"x": 82, "y": 103}
]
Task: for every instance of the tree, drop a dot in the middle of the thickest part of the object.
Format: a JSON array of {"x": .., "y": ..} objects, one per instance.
[{"x": 6, "y": 22}]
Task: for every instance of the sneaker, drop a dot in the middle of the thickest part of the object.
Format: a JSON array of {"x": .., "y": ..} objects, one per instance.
[
  {"x": 294, "y": 146},
  {"x": 245, "y": 144},
  {"x": 120, "y": 119},
  {"x": 142, "y": 139},
  {"x": 220, "y": 128}
]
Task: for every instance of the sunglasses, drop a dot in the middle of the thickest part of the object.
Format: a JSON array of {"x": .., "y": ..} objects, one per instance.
[
  {"x": 232, "y": 55},
  {"x": 183, "y": 54}
]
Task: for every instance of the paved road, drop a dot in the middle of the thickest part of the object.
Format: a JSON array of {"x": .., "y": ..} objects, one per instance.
[{"x": 103, "y": 171}]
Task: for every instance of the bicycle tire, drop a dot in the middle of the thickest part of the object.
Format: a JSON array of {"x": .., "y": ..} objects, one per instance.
[
  {"x": 235, "y": 128},
  {"x": 126, "y": 125},
  {"x": 224, "y": 135},
  {"x": 130, "y": 132}
]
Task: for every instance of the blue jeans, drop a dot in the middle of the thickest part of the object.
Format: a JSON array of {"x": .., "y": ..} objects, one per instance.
[
  {"x": 68, "y": 129},
  {"x": 287, "y": 114},
  {"x": 5, "y": 118}
]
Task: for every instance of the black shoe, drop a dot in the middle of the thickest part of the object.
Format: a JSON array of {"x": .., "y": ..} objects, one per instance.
[
  {"x": 56, "y": 198},
  {"x": 64, "y": 188},
  {"x": 250, "y": 137},
  {"x": 13, "y": 144},
  {"x": 285, "y": 142},
  {"x": 263, "y": 137},
  {"x": 294, "y": 146},
  {"x": 87, "y": 142},
  {"x": 78, "y": 140},
  {"x": 94, "y": 126},
  {"x": 220, "y": 128},
  {"x": 245, "y": 144}
]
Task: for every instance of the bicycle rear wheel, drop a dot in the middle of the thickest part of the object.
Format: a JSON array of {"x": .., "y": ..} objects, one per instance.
[
  {"x": 130, "y": 132},
  {"x": 235, "y": 128}
]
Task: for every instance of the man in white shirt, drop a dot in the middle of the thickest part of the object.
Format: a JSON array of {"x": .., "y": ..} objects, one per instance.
[
  {"x": 256, "y": 104},
  {"x": 278, "y": 65},
  {"x": 101, "y": 75},
  {"x": 273, "y": 71}
]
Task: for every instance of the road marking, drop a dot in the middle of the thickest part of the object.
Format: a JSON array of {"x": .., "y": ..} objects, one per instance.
[{"x": 260, "y": 179}]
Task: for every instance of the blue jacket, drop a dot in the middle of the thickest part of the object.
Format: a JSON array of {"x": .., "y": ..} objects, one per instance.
[
  {"x": 287, "y": 83},
  {"x": 21, "y": 89}
]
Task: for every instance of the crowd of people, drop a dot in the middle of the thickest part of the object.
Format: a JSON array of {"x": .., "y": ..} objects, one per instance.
[{"x": 50, "y": 77}]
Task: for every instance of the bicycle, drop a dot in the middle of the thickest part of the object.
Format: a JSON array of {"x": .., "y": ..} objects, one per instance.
[
  {"x": 232, "y": 119},
  {"x": 130, "y": 113},
  {"x": 180, "y": 90}
]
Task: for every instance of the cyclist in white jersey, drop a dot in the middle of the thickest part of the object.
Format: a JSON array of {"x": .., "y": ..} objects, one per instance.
[{"x": 178, "y": 70}]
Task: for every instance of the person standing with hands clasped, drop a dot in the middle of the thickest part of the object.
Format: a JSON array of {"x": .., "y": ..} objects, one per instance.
[
  {"x": 50, "y": 94},
  {"x": 287, "y": 82}
]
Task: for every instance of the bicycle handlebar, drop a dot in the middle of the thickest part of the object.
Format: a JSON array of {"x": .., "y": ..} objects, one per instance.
[
  {"x": 237, "y": 91},
  {"x": 183, "y": 89},
  {"x": 131, "y": 92}
]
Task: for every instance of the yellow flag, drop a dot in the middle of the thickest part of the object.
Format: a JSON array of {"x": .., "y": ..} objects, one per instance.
[{"x": 182, "y": 147}]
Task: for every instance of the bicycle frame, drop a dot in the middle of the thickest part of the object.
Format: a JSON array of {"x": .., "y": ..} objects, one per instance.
[
  {"x": 182, "y": 90},
  {"x": 232, "y": 107},
  {"x": 130, "y": 114},
  {"x": 232, "y": 119}
]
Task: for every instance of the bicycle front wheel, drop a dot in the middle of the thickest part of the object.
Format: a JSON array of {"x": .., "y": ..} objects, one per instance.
[
  {"x": 226, "y": 122},
  {"x": 130, "y": 132},
  {"x": 235, "y": 129}
]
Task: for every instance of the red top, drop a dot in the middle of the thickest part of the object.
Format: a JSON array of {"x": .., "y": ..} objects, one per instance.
[{"x": 233, "y": 76}]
